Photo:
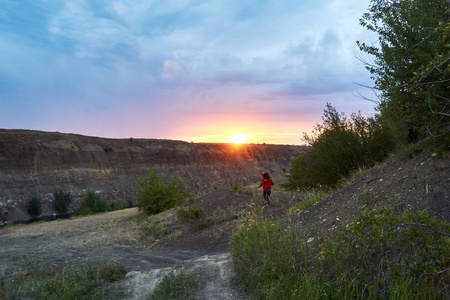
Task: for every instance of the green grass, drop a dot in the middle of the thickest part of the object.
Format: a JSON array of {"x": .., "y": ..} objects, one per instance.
[
  {"x": 80, "y": 282},
  {"x": 375, "y": 258},
  {"x": 309, "y": 200},
  {"x": 176, "y": 286}
]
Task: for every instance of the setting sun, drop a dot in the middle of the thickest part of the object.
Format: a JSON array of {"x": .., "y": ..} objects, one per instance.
[{"x": 238, "y": 138}]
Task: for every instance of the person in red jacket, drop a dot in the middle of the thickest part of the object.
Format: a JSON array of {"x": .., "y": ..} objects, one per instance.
[{"x": 266, "y": 184}]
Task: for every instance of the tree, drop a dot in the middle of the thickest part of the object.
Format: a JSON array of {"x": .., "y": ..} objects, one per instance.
[
  {"x": 339, "y": 146},
  {"x": 62, "y": 200},
  {"x": 411, "y": 64},
  {"x": 34, "y": 206},
  {"x": 156, "y": 194}
]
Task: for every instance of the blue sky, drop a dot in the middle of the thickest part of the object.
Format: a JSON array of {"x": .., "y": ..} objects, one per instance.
[{"x": 190, "y": 70}]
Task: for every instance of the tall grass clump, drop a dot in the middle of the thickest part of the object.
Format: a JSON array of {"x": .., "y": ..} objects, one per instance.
[
  {"x": 80, "y": 282},
  {"x": 176, "y": 286},
  {"x": 380, "y": 256}
]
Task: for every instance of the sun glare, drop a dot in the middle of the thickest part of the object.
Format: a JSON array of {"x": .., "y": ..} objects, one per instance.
[{"x": 238, "y": 138}]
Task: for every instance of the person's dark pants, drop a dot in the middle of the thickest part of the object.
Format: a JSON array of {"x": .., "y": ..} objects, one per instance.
[{"x": 266, "y": 195}]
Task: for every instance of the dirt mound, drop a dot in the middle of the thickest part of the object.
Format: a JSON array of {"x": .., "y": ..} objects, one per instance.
[{"x": 419, "y": 182}]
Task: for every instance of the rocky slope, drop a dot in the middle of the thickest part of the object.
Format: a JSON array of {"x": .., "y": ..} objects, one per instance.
[{"x": 35, "y": 163}]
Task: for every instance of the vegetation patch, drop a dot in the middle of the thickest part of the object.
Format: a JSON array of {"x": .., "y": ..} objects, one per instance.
[
  {"x": 380, "y": 256},
  {"x": 80, "y": 282},
  {"x": 176, "y": 286},
  {"x": 195, "y": 217}
]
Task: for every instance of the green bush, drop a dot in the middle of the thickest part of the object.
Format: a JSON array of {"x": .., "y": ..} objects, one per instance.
[
  {"x": 62, "y": 201},
  {"x": 92, "y": 204},
  {"x": 380, "y": 256},
  {"x": 339, "y": 147},
  {"x": 120, "y": 205},
  {"x": 156, "y": 194},
  {"x": 34, "y": 206}
]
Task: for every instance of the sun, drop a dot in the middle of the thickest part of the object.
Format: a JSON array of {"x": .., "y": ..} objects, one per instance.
[{"x": 238, "y": 138}]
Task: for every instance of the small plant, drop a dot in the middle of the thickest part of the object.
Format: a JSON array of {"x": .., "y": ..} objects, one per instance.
[
  {"x": 176, "y": 286},
  {"x": 34, "y": 206},
  {"x": 92, "y": 204},
  {"x": 237, "y": 187},
  {"x": 62, "y": 201},
  {"x": 157, "y": 194}
]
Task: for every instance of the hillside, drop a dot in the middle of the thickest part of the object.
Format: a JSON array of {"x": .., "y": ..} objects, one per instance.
[
  {"x": 35, "y": 163},
  {"x": 151, "y": 248}
]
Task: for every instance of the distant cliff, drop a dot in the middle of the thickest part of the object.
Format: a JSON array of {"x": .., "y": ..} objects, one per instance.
[{"x": 35, "y": 163}]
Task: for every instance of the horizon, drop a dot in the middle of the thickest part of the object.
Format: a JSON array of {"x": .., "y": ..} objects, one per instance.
[{"x": 193, "y": 71}]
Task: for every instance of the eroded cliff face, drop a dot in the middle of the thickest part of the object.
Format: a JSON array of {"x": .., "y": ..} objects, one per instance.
[{"x": 35, "y": 163}]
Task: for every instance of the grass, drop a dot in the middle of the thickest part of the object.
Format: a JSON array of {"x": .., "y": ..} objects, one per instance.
[
  {"x": 176, "y": 286},
  {"x": 374, "y": 258},
  {"x": 80, "y": 282}
]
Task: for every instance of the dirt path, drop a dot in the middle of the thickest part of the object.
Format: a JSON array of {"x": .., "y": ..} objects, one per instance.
[{"x": 113, "y": 237}]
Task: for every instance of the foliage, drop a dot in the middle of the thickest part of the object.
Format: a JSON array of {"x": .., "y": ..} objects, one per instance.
[
  {"x": 62, "y": 200},
  {"x": 34, "y": 206},
  {"x": 411, "y": 63},
  {"x": 382, "y": 255},
  {"x": 156, "y": 194},
  {"x": 176, "y": 286},
  {"x": 339, "y": 147},
  {"x": 92, "y": 204},
  {"x": 80, "y": 282}
]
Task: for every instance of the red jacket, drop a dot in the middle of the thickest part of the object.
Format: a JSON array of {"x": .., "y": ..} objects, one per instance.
[{"x": 266, "y": 184}]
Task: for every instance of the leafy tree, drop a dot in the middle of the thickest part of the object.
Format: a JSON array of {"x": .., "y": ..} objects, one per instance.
[
  {"x": 411, "y": 63},
  {"x": 156, "y": 194},
  {"x": 339, "y": 146},
  {"x": 34, "y": 206},
  {"x": 62, "y": 200},
  {"x": 92, "y": 204}
]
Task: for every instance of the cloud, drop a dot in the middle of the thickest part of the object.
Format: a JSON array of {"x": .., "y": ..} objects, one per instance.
[{"x": 103, "y": 60}]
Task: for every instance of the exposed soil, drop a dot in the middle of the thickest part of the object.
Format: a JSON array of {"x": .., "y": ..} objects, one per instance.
[{"x": 415, "y": 183}]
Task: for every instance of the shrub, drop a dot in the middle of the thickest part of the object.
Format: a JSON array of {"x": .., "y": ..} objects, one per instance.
[
  {"x": 123, "y": 204},
  {"x": 157, "y": 194},
  {"x": 34, "y": 206},
  {"x": 92, "y": 204},
  {"x": 62, "y": 201}
]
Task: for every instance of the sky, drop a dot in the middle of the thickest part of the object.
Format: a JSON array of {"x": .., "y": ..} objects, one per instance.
[{"x": 191, "y": 70}]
